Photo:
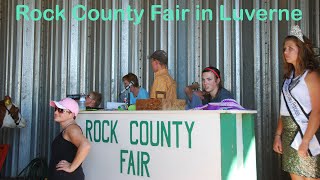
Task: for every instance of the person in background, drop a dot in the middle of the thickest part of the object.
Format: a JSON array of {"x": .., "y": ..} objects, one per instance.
[
  {"x": 93, "y": 99},
  {"x": 163, "y": 85},
  {"x": 70, "y": 148},
  {"x": 136, "y": 92},
  {"x": 212, "y": 89},
  {"x": 298, "y": 123}
]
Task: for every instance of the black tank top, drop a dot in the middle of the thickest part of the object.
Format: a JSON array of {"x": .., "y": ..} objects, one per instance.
[{"x": 62, "y": 149}]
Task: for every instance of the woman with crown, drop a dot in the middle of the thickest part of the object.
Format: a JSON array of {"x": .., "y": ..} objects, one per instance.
[{"x": 296, "y": 136}]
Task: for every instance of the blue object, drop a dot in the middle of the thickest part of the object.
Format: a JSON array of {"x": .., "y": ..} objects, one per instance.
[
  {"x": 143, "y": 94},
  {"x": 196, "y": 100}
]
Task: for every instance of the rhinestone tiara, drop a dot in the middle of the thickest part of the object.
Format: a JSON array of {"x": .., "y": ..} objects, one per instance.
[{"x": 296, "y": 31}]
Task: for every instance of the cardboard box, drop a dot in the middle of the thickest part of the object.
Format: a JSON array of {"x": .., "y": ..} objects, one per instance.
[{"x": 160, "y": 104}]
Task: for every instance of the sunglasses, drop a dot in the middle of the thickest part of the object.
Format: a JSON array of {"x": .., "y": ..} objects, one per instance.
[{"x": 61, "y": 110}]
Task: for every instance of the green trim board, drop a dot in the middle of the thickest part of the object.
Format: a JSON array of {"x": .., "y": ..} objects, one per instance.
[
  {"x": 249, "y": 146},
  {"x": 238, "y": 154},
  {"x": 228, "y": 144},
  {"x": 248, "y": 134}
]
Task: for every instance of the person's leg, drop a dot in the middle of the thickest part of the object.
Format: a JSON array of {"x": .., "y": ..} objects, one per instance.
[{"x": 296, "y": 177}]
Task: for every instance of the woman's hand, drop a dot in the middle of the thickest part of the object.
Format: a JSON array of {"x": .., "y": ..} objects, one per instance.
[
  {"x": 64, "y": 166},
  {"x": 303, "y": 149},
  {"x": 277, "y": 144}
]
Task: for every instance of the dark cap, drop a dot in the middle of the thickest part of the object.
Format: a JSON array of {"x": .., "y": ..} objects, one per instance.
[{"x": 161, "y": 56}]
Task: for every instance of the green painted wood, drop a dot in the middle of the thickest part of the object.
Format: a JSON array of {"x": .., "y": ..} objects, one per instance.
[
  {"x": 248, "y": 134},
  {"x": 249, "y": 146},
  {"x": 228, "y": 145}
]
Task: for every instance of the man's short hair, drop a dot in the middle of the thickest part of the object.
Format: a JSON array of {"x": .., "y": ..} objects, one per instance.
[{"x": 161, "y": 56}]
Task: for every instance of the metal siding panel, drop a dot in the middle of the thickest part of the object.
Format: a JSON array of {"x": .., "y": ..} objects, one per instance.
[
  {"x": 227, "y": 46},
  {"x": 181, "y": 54},
  {"x": 46, "y": 60},
  {"x": 317, "y": 22},
  {"x": 26, "y": 87},
  {"x": 35, "y": 96},
  {"x": 147, "y": 45},
  {"x": 218, "y": 37},
  {"x": 171, "y": 46},
  {"x": 2, "y": 47},
  {"x": 248, "y": 60},
  {"x": 275, "y": 80},
  {"x": 197, "y": 25},
  {"x": 266, "y": 83},
  {"x": 115, "y": 56},
  {"x": 258, "y": 89},
  {"x": 304, "y": 6},
  {"x": 163, "y": 26},
  {"x": 13, "y": 74},
  {"x": 206, "y": 38},
  {"x": 125, "y": 42},
  {"x": 139, "y": 60},
  {"x": 76, "y": 53},
  {"x": 107, "y": 61},
  {"x": 192, "y": 68},
  {"x": 93, "y": 47},
  {"x": 238, "y": 57},
  {"x": 134, "y": 46}
]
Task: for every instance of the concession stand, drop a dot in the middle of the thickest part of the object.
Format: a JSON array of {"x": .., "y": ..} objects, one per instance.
[{"x": 170, "y": 145}]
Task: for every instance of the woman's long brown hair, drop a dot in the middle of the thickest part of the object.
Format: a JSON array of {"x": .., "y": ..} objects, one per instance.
[{"x": 306, "y": 59}]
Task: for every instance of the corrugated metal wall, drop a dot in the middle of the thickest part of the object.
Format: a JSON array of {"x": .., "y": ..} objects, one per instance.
[{"x": 46, "y": 60}]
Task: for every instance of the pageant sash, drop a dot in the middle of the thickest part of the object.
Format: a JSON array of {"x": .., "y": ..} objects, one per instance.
[{"x": 300, "y": 118}]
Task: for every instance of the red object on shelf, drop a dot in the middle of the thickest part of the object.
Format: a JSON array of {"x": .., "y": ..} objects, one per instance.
[{"x": 3, "y": 153}]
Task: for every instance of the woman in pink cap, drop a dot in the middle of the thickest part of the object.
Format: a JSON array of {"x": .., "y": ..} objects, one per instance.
[{"x": 70, "y": 148}]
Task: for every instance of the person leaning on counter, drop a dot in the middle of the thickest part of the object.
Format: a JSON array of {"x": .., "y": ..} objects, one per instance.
[
  {"x": 93, "y": 99},
  {"x": 163, "y": 85},
  {"x": 213, "y": 91}
]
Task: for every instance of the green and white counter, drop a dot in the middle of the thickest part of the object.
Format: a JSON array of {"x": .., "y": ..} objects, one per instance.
[{"x": 169, "y": 145}]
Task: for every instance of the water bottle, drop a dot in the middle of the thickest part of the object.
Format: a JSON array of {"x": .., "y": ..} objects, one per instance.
[
  {"x": 125, "y": 100},
  {"x": 82, "y": 103},
  {"x": 128, "y": 99}
]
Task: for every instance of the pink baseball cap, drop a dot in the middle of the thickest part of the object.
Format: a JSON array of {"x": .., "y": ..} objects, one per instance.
[{"x": 66, "y": 103}]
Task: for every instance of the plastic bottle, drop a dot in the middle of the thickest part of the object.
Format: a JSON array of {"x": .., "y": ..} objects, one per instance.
[
  {"x": 82, "y": 103},
  {"x": 128, "y": 100}
]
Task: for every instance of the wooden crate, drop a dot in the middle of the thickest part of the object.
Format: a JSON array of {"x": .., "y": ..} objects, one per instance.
[{"x": 160, "y": 104}]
